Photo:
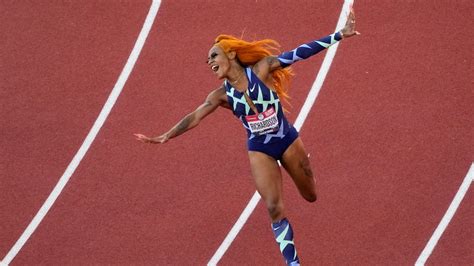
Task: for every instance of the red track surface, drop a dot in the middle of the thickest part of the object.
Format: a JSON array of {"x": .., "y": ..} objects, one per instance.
[{"x": 390, "y": 135}]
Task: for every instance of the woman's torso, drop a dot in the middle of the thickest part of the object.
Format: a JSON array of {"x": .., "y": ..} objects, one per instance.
[{"x": 272, "y": 124}]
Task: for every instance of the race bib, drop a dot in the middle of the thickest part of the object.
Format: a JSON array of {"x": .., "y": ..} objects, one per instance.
[{"x": 263, "y": 123}]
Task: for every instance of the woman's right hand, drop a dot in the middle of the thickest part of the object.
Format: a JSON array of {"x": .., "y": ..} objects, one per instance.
[{"x": 160, "y": 139}]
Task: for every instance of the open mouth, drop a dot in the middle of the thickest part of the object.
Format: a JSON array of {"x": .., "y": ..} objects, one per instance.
[{"x": 215, "y": 68}]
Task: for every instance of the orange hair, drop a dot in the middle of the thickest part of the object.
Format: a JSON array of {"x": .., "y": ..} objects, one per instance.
[{"x": 249, "y": 53}]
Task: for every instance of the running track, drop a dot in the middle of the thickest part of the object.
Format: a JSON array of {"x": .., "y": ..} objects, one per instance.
[{"x": 390, "y": 135}]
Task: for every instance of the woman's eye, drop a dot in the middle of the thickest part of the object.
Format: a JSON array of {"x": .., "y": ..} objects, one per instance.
[{"x": 213, "y": 55}]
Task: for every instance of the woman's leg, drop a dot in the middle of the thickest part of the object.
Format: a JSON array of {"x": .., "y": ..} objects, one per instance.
[
  {"x": 267, "y": 176},
  {"x": 296, "y": 163}
]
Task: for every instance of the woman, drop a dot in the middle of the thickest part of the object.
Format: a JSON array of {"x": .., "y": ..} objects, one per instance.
[{"x": 255, "y": 82}]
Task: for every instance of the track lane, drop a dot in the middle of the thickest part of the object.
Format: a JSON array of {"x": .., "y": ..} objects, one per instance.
[
  {"x": 455, "y": 245},
  {"x": 100, "y": 180},
  {"x": 144, "y": 208},
  {"x": 390, "y": 140},
  {"x": 58, "y": 64},
  {"x": 125, "y": 205}
]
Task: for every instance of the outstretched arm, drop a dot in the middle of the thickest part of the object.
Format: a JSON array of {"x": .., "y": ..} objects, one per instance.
[
  {"x": 271, "y": 63},
  {"x": 309, "y": 49},
  {"x": 215, "y": 99}
]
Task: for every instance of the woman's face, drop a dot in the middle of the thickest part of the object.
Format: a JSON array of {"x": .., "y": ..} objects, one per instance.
[{"x": 218, "y": 61}]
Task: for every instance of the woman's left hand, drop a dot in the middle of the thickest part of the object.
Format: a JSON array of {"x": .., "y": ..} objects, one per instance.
[{"x": 349, "y": 28}]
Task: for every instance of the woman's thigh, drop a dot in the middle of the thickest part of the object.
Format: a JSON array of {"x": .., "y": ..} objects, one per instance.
[
  {"x": 268, "y": 181},
  {"x": 296, "y": 163}
]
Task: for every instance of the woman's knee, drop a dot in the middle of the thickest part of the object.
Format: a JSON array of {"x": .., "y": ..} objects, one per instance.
[
  {"x": 275, "y": 209},
  {"x": 310, "y": 196}
]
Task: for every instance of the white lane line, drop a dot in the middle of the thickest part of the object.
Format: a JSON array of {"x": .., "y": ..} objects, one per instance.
[
  {"x": 310, "y": 99},
  {"x": 425, "y": 254},
  {"x": 132, "y": 59}
]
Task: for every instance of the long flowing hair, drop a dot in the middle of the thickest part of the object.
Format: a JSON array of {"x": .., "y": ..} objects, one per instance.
[{"x": 249, "y": 53}]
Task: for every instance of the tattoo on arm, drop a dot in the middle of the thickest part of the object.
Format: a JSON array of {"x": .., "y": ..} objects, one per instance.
[
  {"x": 272, "y": 60},
  {"x": 186, "y": 122}
]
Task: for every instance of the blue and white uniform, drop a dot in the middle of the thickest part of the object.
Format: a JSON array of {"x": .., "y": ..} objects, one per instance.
[
  {"x": 269, "y": 131},
  {"x": 277, "y": 135}
]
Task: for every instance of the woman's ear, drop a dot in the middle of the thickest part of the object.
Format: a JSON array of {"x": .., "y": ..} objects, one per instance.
[{"x": 231, "y": 55}]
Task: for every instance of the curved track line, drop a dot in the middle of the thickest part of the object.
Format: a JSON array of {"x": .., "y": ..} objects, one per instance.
[
  {"x": 132, "y": 59},
  {"x": 308, "y": 104},
  {"x": 425, "y": 254}
]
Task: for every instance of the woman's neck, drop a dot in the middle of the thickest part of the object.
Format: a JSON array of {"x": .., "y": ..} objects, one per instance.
[{"x": 235, "y": 76}]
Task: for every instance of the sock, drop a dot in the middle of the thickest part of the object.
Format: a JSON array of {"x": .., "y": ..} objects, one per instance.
[{"x": 284, "y": 237}]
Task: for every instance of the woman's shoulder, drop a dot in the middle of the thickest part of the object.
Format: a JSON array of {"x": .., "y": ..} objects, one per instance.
[{"x": 255, "y": 76}]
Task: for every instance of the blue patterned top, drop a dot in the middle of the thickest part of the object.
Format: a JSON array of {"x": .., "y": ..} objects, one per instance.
[{"x": 263, "y": 98}]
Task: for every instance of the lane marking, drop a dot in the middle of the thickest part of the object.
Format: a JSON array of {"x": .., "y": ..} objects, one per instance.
[
  {"x": 425, "y": 254},
  {"x": 308, "y": 104},
  {"x": 132, "y": 59}
]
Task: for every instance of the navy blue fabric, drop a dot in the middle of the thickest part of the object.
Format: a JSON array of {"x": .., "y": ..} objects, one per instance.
[
  {"x": 309, "y": 49},
  {"x": 263, "y": 98},
  {"x": 276, "y": 148},
  {"x": 284, "y": 237}
]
